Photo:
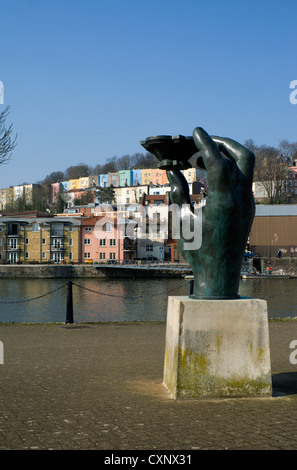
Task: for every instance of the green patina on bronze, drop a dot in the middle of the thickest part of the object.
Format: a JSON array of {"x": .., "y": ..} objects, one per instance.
[{"x": 228, "y": 213}]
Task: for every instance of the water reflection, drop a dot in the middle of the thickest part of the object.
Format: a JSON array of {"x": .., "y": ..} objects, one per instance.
[
  {"x": 279, "y": 293},
  {"x": 122, "y": 299}
]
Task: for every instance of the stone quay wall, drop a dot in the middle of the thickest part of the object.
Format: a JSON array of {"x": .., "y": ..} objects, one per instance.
[{"x": 40, "y": 271}]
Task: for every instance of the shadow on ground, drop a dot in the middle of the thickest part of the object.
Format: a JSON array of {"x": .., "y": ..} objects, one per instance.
[{"x": 284, "y": 384}]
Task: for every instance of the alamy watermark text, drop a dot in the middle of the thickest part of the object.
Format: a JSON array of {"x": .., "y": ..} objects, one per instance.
[{"x": 1, "y": 93}]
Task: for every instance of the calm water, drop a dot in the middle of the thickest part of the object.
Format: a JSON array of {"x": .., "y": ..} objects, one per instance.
[{"x": 122, "y": 300}]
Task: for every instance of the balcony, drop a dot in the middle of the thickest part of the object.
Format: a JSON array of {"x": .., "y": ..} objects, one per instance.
[
  {"x": 57, "y": 233},
  {"x": 129, "y": 245},
  {"x": 57, "y": 245}
]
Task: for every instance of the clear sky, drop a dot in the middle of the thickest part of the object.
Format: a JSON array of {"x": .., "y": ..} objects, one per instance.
[{"x": 88, "y": 79}]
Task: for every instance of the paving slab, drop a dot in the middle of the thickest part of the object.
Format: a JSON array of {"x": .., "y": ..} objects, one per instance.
[{"x": 99, "y": 387}]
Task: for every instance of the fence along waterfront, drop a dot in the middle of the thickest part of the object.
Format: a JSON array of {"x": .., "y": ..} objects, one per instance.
[{"x": 68, "y": 286}]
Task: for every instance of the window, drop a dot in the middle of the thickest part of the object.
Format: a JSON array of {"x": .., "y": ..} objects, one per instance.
[
  {"x": 107, "y": 227},
  {"x": 27, "y": 255},
  {"x": 35, "y": 228},
  {"x": 43, "y": 255},
  {"x": 102, "y": 256},
  {"x": 70, "y": 241},
  {"x": 13, "y": 229},
  {"x": 43, "y": 241},
  {"x": 70, "y": 256},
  {"x": 57, "y": 230},
  {"x": 112, "y": 242},
  {"x": 27, "y": 241},
  {"x": 87, "y": 241},
  {"x": 14, "y": 243},
  {"x": 58, "y": 243},
  {"x": 102, "y": 242},
  {"x": 112, "y": 256},
  {"x": 87, "y": 255},
  {"x": 149, "y": 247},
  {"x": 88, "y": 229}
]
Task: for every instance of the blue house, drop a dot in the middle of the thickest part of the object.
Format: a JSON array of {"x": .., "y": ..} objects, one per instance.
[
  {"x": 66, "y": 185},
  {"x": 136, "y": 177},
  {"x": 103, "y": 181}
]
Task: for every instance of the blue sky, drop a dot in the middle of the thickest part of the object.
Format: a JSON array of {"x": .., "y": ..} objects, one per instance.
[{"x": 88, "y": 79}]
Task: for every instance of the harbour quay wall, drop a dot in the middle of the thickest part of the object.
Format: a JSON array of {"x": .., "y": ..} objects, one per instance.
[
  {"x": 285, "y": 265},
  {"x": 15, "y": 271},
  {"x": 47, "y": 271}
]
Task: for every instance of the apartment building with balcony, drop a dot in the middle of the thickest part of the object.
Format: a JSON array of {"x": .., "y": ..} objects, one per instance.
[{"x": 39, "y": 240}]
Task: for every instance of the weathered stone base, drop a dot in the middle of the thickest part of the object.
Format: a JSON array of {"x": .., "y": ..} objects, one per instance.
[{"x": 217, "y": 348}]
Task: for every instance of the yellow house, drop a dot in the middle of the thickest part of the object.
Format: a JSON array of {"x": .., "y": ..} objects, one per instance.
[
  {"x": 88, "y": 182},
  {"x": 2, "y": 199},
  {"x": 74, "y": 184},
  {"x": 40, "y": 240},
  {"x": 9, "y": 196},
  {"x": 83, "y": 183},
  {"x": 146, "y": 176},
  {"x": 31, "y": 191},
  {"x": 190, "y": 174}
]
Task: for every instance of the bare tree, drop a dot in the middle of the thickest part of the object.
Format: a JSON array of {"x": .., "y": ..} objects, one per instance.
[
  {"x": 110, "y": 165},
  {"x": 105, "y": 195},
  {"x": 124, "y": 162},
  {"x": 77, "y": 171},
  {"x": 7, "y": 143},
  {"x": 271, "y": 171},
  {"x": 54, "y": 177},
  {"x": 142, "y": 161},
  {"x": 288, "y": 150}
]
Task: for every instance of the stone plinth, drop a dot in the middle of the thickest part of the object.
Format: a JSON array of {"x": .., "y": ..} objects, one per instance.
[{"x": 217, "y": 348}]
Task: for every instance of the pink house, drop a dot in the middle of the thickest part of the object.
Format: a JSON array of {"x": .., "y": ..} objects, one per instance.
[
  {"x": 54, "y": 192},
  {"x": 102, "y": 241}
]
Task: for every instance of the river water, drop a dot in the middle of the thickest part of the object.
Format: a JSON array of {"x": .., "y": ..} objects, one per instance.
[{"x": 100, "y": 300}]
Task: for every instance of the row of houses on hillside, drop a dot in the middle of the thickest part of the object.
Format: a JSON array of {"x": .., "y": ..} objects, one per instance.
[{"x": 139, "y": 181}]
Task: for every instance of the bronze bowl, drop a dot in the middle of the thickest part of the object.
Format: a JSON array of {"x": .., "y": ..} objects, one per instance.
[{"x": 173, "y": 152}]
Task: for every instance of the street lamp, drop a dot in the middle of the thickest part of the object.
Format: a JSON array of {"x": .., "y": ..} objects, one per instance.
[{"x": 136, "y": 241}]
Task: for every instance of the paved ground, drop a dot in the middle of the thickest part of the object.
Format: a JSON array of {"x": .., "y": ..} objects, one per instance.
[{"x": 99, "y": 386}]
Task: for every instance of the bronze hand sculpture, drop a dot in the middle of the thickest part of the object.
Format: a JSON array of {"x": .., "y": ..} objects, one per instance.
[{"x": 226, "y": 217}]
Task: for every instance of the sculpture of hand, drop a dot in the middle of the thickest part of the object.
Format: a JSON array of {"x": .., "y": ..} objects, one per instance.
[{"x": 226, "y": 217}]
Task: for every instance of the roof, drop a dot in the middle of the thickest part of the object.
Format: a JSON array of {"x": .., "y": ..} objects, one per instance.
[
  {"x": 276, "y": 210},
  {"x": 76, "y": 190},
  {"x": 40, "y": 220},
  {"x": 26, "y": 214}
]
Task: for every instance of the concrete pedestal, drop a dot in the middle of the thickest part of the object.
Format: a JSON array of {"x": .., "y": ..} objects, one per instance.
[{"x": 217, "y": 348}]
